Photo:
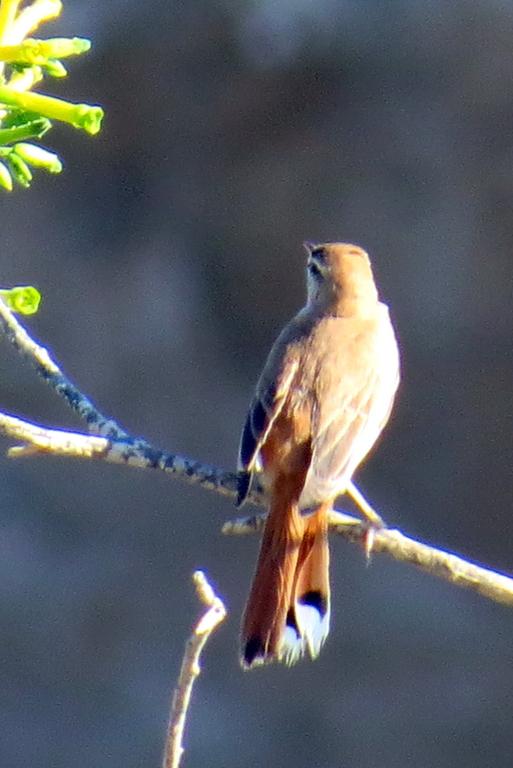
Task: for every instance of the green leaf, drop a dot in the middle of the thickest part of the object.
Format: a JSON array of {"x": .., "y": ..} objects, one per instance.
[{"x": 30, "y": 129}]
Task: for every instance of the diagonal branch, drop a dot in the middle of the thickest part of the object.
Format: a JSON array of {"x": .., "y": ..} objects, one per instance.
[
  {"x": 50, "y": 372},
  {"x": 444, "y": 565},
  {"x": 127, "y": 451},
  {"x": 113, "y": 444}
]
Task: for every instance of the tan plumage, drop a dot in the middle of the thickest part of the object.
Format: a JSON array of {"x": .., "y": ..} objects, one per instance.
[{"x": 323, "y": 398}]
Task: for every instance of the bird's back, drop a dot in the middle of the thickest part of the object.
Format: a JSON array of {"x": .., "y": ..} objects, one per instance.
[{"x": 346, "y": 375}]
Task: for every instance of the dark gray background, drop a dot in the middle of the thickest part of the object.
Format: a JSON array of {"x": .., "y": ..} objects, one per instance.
[{"x": 169, "y": 256}]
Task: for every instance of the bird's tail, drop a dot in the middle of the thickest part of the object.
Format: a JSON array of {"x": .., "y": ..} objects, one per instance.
[{"x": 288, "y": 609}]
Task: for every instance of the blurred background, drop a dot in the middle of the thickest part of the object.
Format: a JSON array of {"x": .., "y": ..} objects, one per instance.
[{"x": 169, "y": 255}]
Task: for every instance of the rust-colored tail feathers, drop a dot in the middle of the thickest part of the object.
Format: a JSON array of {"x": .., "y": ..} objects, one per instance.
[{"x": 288, "y": 609}]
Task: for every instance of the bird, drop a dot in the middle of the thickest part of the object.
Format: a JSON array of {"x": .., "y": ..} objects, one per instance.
[{"x": 322, "y": 400}]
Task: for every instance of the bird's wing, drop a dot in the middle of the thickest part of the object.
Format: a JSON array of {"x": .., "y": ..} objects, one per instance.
[{"x": 265, "y": 407}]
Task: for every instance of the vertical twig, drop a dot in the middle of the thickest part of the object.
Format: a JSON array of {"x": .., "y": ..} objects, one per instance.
[{"x": 190, "y": 669}]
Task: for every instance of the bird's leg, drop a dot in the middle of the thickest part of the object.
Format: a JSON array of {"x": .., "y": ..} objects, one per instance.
[{"x": 371, "y": 516}]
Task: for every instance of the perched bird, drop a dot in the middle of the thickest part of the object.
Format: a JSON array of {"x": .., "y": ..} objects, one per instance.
[{"x": 324, "y": 396}]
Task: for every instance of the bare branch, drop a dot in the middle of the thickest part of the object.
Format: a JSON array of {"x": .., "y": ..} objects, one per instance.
[
  {"x": 51, "y": 373},
  {"x": 128, "y": 451},
  {"x": 114, "y": 445},
  {"x": 190, "y": 669},
  {"x": 437, "y": 562},
  {"x": 36, "y": 439},
  {"x": 119, "y": 448}
]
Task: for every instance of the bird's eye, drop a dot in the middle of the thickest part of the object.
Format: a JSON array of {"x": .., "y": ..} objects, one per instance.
[{"x": 314, "y": 270}]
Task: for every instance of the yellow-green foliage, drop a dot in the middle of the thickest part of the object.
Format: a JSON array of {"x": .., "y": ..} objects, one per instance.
[{"x": 26, "y": 114}]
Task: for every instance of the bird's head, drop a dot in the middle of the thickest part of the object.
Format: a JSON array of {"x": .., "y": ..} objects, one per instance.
[{"x": 339, "y": 274}]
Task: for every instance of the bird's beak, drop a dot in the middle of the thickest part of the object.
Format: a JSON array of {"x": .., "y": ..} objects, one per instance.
[{"x": 309, "y": 246}]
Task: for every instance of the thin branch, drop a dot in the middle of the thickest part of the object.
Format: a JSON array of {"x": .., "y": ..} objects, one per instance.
[
  {"x": 113, "y": 444},
  {"x": 444, "y": 565},
  {"x": 129, "y": 451},
  {"x": 50, "y": 372},
  {"x": 190, "y": 669},
  {"x": 37, "y": 439},
  {"x": 119, "y": 447}
]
